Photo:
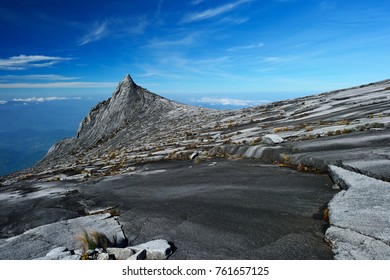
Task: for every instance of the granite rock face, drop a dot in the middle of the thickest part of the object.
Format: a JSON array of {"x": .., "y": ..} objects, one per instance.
[
  {"x": 359, "y": 217},
  {"x": 39, "y": 242}
]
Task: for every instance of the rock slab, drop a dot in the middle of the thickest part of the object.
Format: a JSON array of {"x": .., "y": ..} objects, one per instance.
[
  {"x": 38, "y": 242},
  {"x": 155, "y": 250},
  {"x": 359, "y": 216},
  {"x": 272, "y": 139}
]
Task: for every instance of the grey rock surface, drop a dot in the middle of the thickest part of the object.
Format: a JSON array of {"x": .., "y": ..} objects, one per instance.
[
  {"x": 351, "y": 245},
  {"x": 103, "y": 257},
  {"x": 347, "y": 128},
  {"x": 120, "y": 253},
  {"x": 362, "y": 210},
  {"x": 272, "y": 139},
  {"x": 37, "y": 242},
  {"x": 140, "y": 255},
  {"x": 155, "y": 249},
  {"x": 58, "y": 253}
]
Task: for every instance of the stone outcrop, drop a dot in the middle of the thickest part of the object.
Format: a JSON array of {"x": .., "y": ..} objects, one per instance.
[
  {"x": 152, "y": 250},
  {"x": 359, "y": 217},
  {"x": 39, "y": 242},
  {"x": 272, "y": 139}
]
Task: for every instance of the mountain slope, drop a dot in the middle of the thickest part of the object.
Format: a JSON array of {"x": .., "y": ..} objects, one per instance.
[
  {"x": 135, "y": 125},
  {"x": 131, "y": 114}
]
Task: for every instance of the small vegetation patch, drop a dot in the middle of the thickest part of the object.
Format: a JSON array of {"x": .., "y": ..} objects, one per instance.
[{"x": 91, "y": 241}]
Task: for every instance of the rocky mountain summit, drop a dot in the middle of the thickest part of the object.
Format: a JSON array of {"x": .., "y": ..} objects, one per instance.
[{"x": 343, "y": 133}]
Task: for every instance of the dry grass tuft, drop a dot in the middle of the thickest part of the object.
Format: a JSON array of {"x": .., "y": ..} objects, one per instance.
[{"x": 91, "y": 241}]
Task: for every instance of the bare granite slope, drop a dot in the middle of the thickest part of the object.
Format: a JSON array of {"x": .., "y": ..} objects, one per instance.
[
  {"x": 135, "y": 125},
  {"x": 120, "y": 137}
]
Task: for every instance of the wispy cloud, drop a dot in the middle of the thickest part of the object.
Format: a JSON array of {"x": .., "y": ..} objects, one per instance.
[
  {"x": 49, "y": 77},
  {"x": 234, "y": 20},
  {"x": 2, "y": 102},
  {"x": 186, "y": 40},
  {"x": 278, "y": 59},
  {"x": 247, "y": 47},
  {"x": 23, "y": 62},
  {"x": 210, "y": 13},
  {"x": 60, "y": 85},
  {"x": 196, "y": 2},
  {"x": 115, "y": 27},
  {"x": 98, "y": 32},
  {"x": 230, "y": 101},
  {"x": 44, "y": 99}
]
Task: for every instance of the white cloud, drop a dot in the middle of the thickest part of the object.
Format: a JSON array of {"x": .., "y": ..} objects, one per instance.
[
  {"x": 231, "y": 101},
  {"x": 184, "y": 41},
  {"x": 196, "y": 2},
  {"x": 50, "y": 77},
  {"x": 278, "y": 59},
  {"x": 22, "y": 62},
  {"x": 247, "y": 47},
  {"x": 44, "y": 99},
  {"x": 115, "y": 28},
  {"x": 97, "y": 33},
  {"x": 210, "y": 13},
  {"x": 2, "y": 102},
  {"x": 61, "y": 85},
  {"x": 234, "y": 20}
]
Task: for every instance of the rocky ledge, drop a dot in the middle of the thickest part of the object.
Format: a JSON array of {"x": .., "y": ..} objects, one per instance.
[{"x": 94, "y": 237}]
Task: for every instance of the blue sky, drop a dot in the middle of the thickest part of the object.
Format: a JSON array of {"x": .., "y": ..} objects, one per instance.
[{"x": 235, "y": 51}]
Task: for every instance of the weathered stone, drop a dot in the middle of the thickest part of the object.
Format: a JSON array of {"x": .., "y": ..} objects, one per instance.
[
  {"x": 194, "y": 155},
  {"x": 272, "y": 139},
  {"x": 363, "y": 209},
  {"x": 53, "y": 254},
  {"x": 103, "y": 257},
  {"x": 336, "y": 187},
  {"x": 120, "y": 253},
  {"x": 155, "y": 250},
  {"x": 351, "y": 245},
  {"x": 140, "y": 255},
  {"x": 38, "y": 241}
]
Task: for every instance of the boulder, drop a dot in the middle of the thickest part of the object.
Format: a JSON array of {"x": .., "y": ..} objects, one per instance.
[
  {"x": 272, "y": 139},
  {"x": 120, "y": 253},
  {"x": 103, "y": 257},
  {"x": 140, "y": 255},
  {"x": 155, "y": 250}
]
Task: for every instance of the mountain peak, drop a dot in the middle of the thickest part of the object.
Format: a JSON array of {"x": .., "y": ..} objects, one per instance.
[
  {"x": 130, "y": 104},
  {"x": 127, "y": 84},
  {"x": 127, "y": 79}
]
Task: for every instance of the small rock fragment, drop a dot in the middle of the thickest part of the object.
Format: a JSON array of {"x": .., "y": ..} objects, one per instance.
[
  {"x": 155, "y": 250},
  {"x": 272, "y": 139},
  {"x": 336, "y": 187},
  {"x": 120, "y": 253},
  {"x": 194, "y": 155},
  {"x": 140, "y": 255},
  {"x": 103, "y": 257}
]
